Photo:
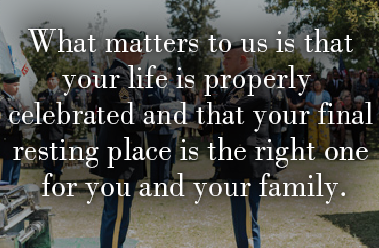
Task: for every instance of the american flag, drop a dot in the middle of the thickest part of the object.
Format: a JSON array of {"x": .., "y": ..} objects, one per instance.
[
  {"x": 94, "y": 71},
  {"x": 341, "y": 67}
]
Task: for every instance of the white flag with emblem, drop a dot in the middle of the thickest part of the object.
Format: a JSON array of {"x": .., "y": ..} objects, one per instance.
[
  {"x": 6, "y": 65},
  {"x": 28, "y": 80}
]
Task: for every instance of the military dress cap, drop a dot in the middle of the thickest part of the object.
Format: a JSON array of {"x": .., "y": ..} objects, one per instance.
[
  {"x": 161, "y": 67},
  {"x": 11, "y": 78},
  {"x": 271, "y": 71},
  {"x": 234, "y": 45},
  {"x": 51, "y": 75},
  {"x": 219, "y": 73},
  {"x": 130, "y": 34}
]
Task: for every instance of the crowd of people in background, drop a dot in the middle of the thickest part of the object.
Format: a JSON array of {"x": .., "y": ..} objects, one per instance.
[{"x": 347, "y": 92}]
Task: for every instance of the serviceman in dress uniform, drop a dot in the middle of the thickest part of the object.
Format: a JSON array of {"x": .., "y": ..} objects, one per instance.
[
  {"x": 93, "y": 105},
  {"x": 160, "y": 168},
  {"x": 80, "y": 95},
  {"x": 54, "y": 133},
  {"x": 248, "y": 170},
  {"x": 174, "y": 136},
  {"x": 279, "y": 104},
  {"x": 10, "y": 135},
  {"x": 81, "y": 98},
  {"x": 116, "y": 211},
  {"x": 215, "y": 98}
]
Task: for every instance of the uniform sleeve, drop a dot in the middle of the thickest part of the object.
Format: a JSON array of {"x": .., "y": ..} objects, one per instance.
[
  {"x": 220, "y": 95},
  {"x": 246, "y": 103},
  {"x": 38, "y": 127},
  {"x": 178, "y": 95},
  {"x": 69, "y": 127},
  {"x": 92, "y": 105},
  {"x": 120, "y": 99},
  {"x": 5, "y": 126},
  {"x": 145, "y": 97}
]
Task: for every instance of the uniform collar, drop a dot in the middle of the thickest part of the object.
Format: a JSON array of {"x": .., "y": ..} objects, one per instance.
[
  {"x": 122, "y": 62},
  {"x": 11, "y": 97},
  {"x": 274, "y": 86},
  {"x": 242, "y": 72},
  {"x": 54, "y": 90}
]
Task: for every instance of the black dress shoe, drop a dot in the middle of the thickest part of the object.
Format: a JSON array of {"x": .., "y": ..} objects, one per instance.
[
  {"x": 217, "y": 175},
  {"x": 170, "y": 177},
  {"x": 274, "y": 177},
  {"x": 58, "y": 188},
  {"x": 57, "y": 178}
]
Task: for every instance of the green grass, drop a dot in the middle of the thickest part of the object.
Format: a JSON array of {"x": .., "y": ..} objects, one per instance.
[{"x": 349, "y": 221}]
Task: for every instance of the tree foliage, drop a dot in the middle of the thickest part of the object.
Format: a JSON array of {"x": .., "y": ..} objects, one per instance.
[
  {"x": 190, "y": 19},
  {"x": 271, "y": 59},
  {"x": 357, "y": 18},
  {"x": 43, "y": 62}
]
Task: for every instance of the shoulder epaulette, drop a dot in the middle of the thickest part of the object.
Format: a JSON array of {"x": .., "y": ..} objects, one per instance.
[{"x": 121, "y": 69}]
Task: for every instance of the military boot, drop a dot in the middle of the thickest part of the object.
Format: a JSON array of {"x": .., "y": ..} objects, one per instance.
[
  {"x": 57, "y": 179},
  {"x": 171, "y": 177},
  {"x": 50, "y": 181},
  {"x": 217, "y": 175},
  {"x": 58, "y": 188}
]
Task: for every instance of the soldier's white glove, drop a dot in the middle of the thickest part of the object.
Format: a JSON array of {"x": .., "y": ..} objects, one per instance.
[
  {"x": 165, "y": 106},
  {"x": 170, "y": 106},
  {"x": 128, "y": 173},
  {"x": 67, "y": 136},
  {"x": 38, "y": 136},
  {"x": 283, "y": 129}
]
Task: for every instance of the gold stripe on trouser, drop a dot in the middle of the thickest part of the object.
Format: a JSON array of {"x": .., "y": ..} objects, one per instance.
[
  {"x": 249, "y": 224},
  {"x": 120, "y": 212},
  {"x": 1, "y": 167}
]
